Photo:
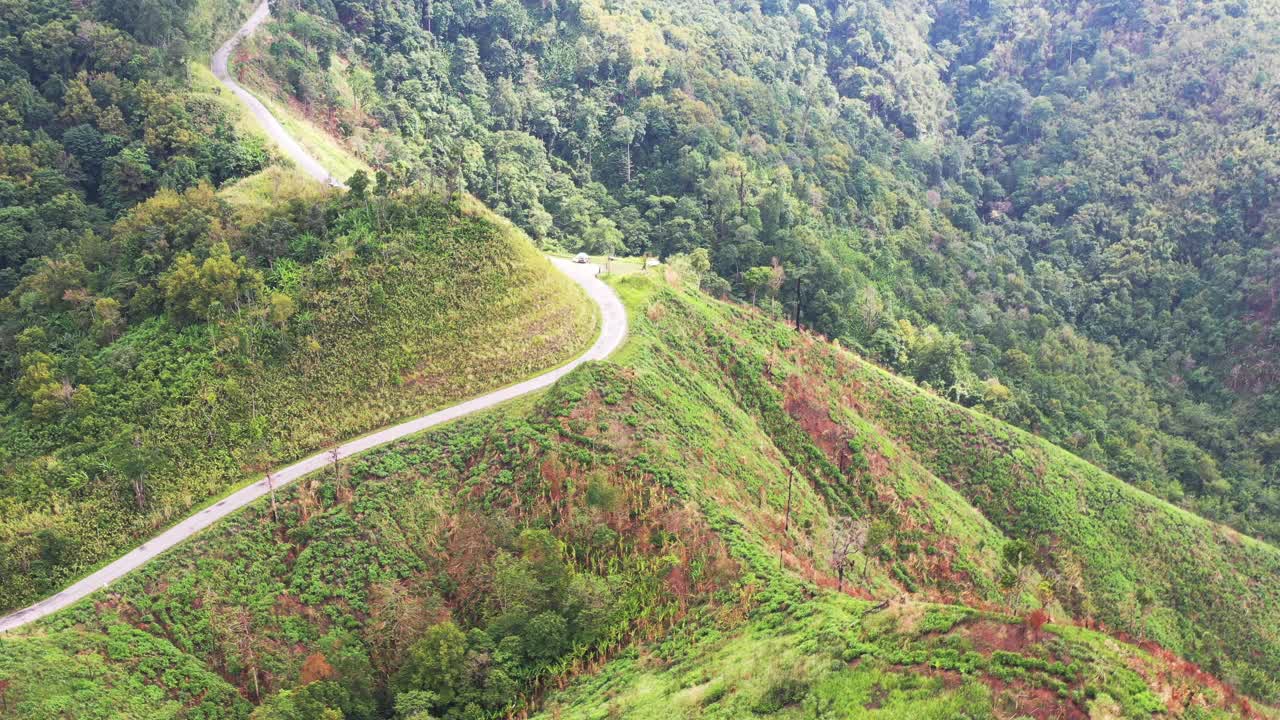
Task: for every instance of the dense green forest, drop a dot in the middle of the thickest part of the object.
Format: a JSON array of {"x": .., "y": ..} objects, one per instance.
[
  {"x": 94, "y": 117},
  {"x": 1063, "y": 215}
]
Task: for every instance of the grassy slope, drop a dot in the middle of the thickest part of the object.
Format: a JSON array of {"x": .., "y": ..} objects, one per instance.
[
  {"x": 1105, "y": 550},
  {"x": 335, "y": 156},
  {"x": 709, "y": 409},
  {"x": 442, "y": 314},
  {"x": 832, "y": 657}
]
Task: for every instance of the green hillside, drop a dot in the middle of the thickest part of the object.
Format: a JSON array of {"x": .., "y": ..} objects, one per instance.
[
  {"x": 1064, "y": 213},
  {"x": 195, "y": 344},
  {"x": 724, "y": 489},
  {"x": 955, "y": 396}
]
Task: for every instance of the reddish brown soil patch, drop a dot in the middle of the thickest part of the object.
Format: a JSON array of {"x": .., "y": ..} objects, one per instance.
[
  {"x": 813, "y": 414},
  {"x": 1023, "y": 700},
  {"x": 1015, "y": 699},
  {"x": 989, "y": 636}
]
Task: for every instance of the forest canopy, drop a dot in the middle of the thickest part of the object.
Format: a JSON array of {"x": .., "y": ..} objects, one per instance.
[{"x": 1065, "y": 216}]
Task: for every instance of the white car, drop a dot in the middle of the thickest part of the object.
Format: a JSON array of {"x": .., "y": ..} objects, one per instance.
[{"x": 581, "y": 258}]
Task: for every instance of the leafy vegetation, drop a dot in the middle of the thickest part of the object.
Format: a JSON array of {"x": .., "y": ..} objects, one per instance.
[
  {"x": 95, "y": 117},
  {"x": 927, "y": 182},
  {"x": 159, "y": 364},
  {"x": 650, "y": 525},
  {"x": 1061, "y": 217}
]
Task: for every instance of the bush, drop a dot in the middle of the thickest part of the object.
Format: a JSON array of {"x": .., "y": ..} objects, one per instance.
[{"x": 782, "y": 692}]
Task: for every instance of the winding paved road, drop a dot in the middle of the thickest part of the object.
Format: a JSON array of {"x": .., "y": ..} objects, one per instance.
[
  {"x": 274, "y": 129},
  {"x": 613, "y": 330}
]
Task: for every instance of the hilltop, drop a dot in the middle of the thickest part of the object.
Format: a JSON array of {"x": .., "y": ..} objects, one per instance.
[
  {"x": 955, "y": 395},
  {"x": 257, "y": 337}
]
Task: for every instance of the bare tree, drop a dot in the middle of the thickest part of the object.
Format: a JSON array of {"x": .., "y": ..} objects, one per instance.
[
  {"x": 244, "y": 623},
  {"x": 138, "y": 473},
  {"x": 786, "y": 526},
  {"x": 232, "y": 629},
  {"x": 847, "y": 535}
]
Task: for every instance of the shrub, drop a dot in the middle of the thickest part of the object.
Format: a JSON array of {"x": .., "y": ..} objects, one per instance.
[{"x": 782, "y": 692}]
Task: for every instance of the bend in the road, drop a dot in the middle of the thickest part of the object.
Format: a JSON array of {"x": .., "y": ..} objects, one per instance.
[
  {"x": 613, "y": 330},
  {"x": 274, "y": 129}
]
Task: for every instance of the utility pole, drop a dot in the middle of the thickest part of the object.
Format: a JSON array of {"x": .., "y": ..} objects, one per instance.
[
  {"x": 271, "y": 487},
  {"x": 786, "y": 523}
]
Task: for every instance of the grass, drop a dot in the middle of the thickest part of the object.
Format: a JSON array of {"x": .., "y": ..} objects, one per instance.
[
  {"x": 212, "y": 21},
  {"x": 203, "y": 84},
  {"x": 831, "y": 658},
  {"x": 256, "y": 196},
  {"x": 616, "y": 266},
  {"x": 340, "y": 162}
]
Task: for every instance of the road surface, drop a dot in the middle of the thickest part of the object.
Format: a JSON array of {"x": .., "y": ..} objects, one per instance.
[
  {"x": 613, "y": 330},
  {"x": 274, "y": 129}
]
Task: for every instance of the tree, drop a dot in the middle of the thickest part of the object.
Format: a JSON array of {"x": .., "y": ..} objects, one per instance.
[
  {"x": 335, "y": 458},
  {"x": 546, "y": 637},
  {"x": 626, "y": 130},
  {"x": 1036, "y": 621},
  {"x": 604, "y": 238},
  {"x": 877, "y": 536},
  {"x": 315, "y": 701},
  {"x": 435, "y": 663},
  {"x": 398, "y": 617},
  {"x": 51, "y": 46},
  {"x": 756, "y": 279},
  {"x": 700, "y": 261},
  {"x": 358, "y": 184},
  {"x": 870, "y": 310},
  {"x": 154, "y": 22},
  {"x": 280, "y": 308},
  {"x": 107, "y": 319},
  {"x": 50, "y": 396},
  {"x": 416, "y": 705},
  {"x": 78, "y": 106},
  {"x": 1018, "y": 556},
  {"x": 127, "y": 178},
  {"x": 134, "y": 459},
  {"x": 271, "y": 488},
  {"x": 847, "y": 535},
  {"x": 194, "y": 293}
]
